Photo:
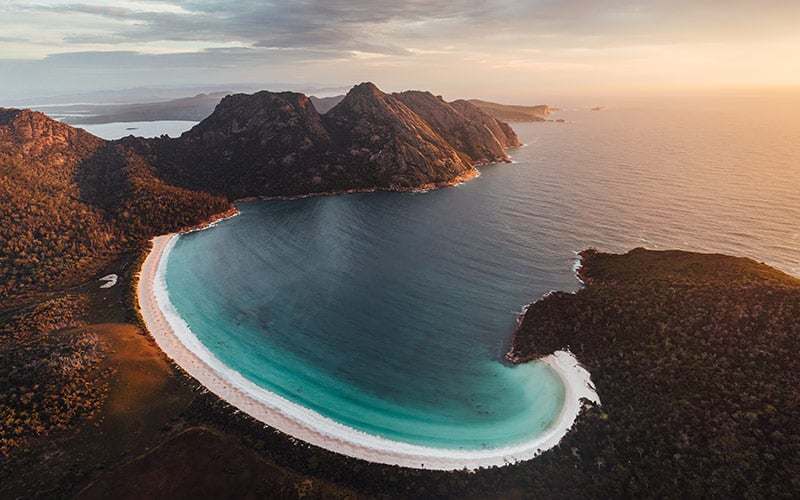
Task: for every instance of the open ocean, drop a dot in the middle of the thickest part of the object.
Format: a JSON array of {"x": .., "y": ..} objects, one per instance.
[{"x": 391, "y": 312}]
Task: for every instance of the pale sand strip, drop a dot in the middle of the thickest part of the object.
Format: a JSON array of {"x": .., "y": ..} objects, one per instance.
[{"x": 175, "y": 339}]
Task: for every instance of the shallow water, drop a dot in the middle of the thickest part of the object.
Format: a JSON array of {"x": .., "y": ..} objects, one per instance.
[
  {"x": 390, "y": 312},
  {"x": 118, "y": 130}
]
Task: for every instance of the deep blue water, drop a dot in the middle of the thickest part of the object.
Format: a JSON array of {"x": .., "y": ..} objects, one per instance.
[{"x": 390, "y": 312}]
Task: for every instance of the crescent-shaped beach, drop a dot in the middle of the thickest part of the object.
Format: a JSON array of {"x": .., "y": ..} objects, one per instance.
[{"x": 176, "y": 339}]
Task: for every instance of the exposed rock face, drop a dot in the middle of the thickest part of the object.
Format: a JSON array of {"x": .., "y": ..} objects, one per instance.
[
  {"x": 388, "y": 145},
  {"x": 265, "y": 143},
  {"x": 277, "y": 144},
  {"x": 504, "y": 134},
  {"x": 471, "y": 137},
  {"x": 34, "y": 134}
]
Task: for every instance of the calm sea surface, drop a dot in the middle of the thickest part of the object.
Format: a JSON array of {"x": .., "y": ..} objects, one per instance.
[
  {"x": 118, "y": 130},
  {"x": 390, "y": 312}
]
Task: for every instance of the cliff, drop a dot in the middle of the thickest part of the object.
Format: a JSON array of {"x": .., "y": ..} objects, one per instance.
[
  {"x": 502, "y": 131},
  {"x": 386, "y": 144}
]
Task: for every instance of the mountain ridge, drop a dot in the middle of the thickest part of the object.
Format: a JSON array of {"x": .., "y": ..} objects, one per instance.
[{"x": 272, "y": 144}]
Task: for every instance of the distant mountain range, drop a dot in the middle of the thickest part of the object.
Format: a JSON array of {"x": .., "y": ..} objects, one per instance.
[{"x": 200, "y": 106}]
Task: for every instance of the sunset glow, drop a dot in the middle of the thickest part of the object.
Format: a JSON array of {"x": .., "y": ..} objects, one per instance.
[{"x": 536, "y": 49}]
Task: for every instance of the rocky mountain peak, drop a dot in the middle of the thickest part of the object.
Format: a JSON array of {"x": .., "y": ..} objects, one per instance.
[
  {"x": 35, "y": 134},
  {"x": 259, "y": 118}
]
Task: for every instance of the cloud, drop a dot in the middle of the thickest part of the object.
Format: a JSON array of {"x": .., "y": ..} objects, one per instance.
[
  {"x": 341, "y": 41},
  {"x": 354, "y": 25},
  {"x": 391, "y": 28}
]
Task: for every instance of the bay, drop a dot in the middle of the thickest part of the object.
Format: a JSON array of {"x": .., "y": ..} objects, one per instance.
[{"x": 390, "y": 312}]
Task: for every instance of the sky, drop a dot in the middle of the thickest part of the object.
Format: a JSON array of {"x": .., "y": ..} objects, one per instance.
[{"x": 524, "y": 51}]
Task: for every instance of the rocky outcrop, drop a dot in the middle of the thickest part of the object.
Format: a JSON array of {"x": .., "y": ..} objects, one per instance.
[
  {"x": 35, "y": 135},
  {"x": 278, "y": 144},
  {"x": 467, "y": 135}
]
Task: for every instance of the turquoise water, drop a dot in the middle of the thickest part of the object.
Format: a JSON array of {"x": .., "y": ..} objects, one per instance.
[
  {"x": 390, "y": 312},
  {"x": 386, "y": 323}
]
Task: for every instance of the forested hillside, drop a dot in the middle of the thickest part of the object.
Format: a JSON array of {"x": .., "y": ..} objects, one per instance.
[
  {"x": 70, "y": 201},
  {"x": 695, "y": 360}
]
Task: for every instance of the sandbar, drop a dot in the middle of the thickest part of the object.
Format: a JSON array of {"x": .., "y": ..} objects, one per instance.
[{"x": 179, "y": 343}]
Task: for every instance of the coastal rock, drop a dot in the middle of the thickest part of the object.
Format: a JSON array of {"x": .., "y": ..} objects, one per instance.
[{"x": 261, "y": 144}]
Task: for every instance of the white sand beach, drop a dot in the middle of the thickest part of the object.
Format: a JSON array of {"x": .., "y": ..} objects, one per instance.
[{"x": 177, "y": 341}]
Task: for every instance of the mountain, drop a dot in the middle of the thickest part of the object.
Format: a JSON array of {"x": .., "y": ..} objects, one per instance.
[
  {"x": 70, "y": 200},
  {"x": 278, "y": 144},
  {"x": 251, "y": 145},
  {"x": 386, "y": 143},
  {"x": 512, "y": 113}
]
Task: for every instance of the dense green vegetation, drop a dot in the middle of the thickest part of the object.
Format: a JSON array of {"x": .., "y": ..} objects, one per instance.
[
  {"x": 70, "y": 202},
  {"x": 48, "y": 371},
  {"x": 695, "y": 360}
]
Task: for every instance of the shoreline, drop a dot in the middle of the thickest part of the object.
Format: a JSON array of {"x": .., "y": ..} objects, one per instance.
[
  {"x": 176, "y": 340},
  {"x": 460, "y": 179}
]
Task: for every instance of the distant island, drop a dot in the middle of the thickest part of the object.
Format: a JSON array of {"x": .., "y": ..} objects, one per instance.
[
  {"x": 514, "y": 113},
  {"x": 200, "y": 106}
]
